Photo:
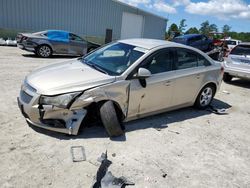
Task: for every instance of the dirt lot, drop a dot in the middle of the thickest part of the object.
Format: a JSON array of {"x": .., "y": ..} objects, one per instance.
[{"x": 193, "y": 148}]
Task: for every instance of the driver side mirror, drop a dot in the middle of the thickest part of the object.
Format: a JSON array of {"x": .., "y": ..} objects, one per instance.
[{"x": 143, "y": 73}]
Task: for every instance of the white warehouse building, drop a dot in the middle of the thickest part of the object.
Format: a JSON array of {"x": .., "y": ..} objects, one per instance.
[{"x": 83, "y": 17}]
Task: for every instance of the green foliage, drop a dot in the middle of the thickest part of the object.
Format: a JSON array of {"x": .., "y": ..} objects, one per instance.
[
  {"x": 173, "y": 31},
  {"x": 226, "y": 29},
  {"x": 244, "y": 37},
  {"x": 182, "y": 26},
  {"x": 206, "y": 28},
  {"x": 192, "y": 30}
]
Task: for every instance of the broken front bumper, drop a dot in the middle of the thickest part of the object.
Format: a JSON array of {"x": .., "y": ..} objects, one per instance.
[{"x": 47, "y": 116}]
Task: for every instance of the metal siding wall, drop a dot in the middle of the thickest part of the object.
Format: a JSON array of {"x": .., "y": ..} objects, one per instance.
[{"x": 84, "y": 17}]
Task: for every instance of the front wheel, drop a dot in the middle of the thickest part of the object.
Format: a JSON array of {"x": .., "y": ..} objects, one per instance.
[
  {"x": 110, "y": 119},
  {"x": 44, "y": 51},
  {"x": 205, "y": 97}
]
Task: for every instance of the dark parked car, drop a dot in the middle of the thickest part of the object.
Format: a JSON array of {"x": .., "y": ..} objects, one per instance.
[
  {"x": 46, "y": 43},
  {"x": 199, "y": 41}
]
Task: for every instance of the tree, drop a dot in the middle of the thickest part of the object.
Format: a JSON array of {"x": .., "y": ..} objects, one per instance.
[
  {"x": 204, "y": 27},
  {"x": 182, "y": 26},
  {"x": 226, "y": 29},
  {"x": 173, "y": 27},
  {"x": 192, "y": 30},
  {"x": 213, "y": 28},
  {"x": 173, "y": 31}
]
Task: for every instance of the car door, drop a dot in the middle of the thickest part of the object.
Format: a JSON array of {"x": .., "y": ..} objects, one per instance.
[
  {"x": 59, "y": 41},
  {"x": 189, "y": 76},
  {"x": 154, "y": 93},
  {"x": 77, "y": 46}
]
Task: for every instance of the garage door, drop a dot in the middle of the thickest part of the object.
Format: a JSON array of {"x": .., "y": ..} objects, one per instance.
[{"x": 132, "y": 26}]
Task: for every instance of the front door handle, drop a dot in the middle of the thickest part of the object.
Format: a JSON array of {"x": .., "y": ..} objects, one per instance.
[{"x": 198, "y": 76}]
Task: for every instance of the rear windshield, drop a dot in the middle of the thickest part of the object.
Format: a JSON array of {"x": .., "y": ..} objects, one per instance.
[{"x": 241, "y": 50}]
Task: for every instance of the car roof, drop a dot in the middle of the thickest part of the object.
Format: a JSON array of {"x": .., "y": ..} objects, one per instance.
[
  {"x": 57, "y": 31},
  {"x": 188, "y": 36},
  {"x": 244, "y": 43},
  {"x": 150, "y": 43}
]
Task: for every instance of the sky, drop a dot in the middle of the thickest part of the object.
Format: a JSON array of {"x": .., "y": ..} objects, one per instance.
[{"x": 235, "y": 13}]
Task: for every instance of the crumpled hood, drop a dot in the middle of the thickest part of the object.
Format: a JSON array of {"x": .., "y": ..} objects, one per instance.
[{"x": 66, "y": 77}]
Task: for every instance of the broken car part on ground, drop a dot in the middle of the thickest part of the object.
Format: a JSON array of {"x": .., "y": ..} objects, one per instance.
[{"x": 105, "y": 179}]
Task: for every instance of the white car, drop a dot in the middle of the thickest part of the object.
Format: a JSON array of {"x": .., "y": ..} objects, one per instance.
[
  {"x": 237, "y": 64},
  {"x": 10, "y": 42},
  {"x": 2, "y": 42},
  {"x": 231, "y": 43}
]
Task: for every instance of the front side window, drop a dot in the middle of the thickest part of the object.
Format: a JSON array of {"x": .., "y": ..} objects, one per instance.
[
  {"x": 160, "y": 62},
  {"x": 114, "y": 58}
]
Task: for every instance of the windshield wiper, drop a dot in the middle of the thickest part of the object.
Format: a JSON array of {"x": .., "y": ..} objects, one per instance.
[{"x": 94, "y": 66}]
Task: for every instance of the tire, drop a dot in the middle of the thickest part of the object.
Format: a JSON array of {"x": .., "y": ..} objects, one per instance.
[
  {"x": 44, "y": 51},
  {"x": 205, "y": 97},
  {"x": 110, "y": 119},
  {"x": 227, "y": 77}
]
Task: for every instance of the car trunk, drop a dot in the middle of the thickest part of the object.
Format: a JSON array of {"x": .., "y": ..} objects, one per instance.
[{"x": 240, "y": 57}]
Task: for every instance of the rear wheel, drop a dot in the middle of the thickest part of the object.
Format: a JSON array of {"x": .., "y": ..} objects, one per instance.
[
  {"x": 205, "y": 97},
  {"x": 44, "y": 51},
  {"x": 227, "y": 77},
  {"x": 110, "y": 119}
]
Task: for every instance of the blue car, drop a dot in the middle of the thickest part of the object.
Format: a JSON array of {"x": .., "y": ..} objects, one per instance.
[
  {"x": 46, "y": 43},
  {"x": 199, "y": 41}
]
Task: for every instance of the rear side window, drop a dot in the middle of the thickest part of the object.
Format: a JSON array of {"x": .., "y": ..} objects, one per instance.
[
  {"x": 202, "y": 61},
  {"x": 75, "y": 37},
  {"x": 58, "y": 36},
  {"x": 186, "y": 59},
  {"x": 241, "y": 50}
]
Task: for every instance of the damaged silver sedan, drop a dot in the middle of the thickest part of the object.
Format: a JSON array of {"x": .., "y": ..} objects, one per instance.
[{"x": 122, "y": 81}]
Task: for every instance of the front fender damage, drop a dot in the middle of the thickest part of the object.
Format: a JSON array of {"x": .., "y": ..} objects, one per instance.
[
  {"x": 69, "y": 120},
  {"x": 117, "y": 92}
]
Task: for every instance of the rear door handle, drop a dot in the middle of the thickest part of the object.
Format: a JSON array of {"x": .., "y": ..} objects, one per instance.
[{"x": 198, "y": 76}]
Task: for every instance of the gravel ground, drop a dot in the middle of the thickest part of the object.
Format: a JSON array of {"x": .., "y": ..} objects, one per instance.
[{"x": 192, "y": 148}]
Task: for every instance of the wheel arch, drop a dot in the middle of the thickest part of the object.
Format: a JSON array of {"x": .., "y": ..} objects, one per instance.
[
  {"x": 118, "y": 109},
  {"x": 204, "y": 85},
  {"x": 46, "y": 44}
]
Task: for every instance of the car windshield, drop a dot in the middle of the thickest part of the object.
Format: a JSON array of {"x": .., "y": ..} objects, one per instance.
[
  {"x": 114, "y": 58},
  {"x": 241, "y": 50}
]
